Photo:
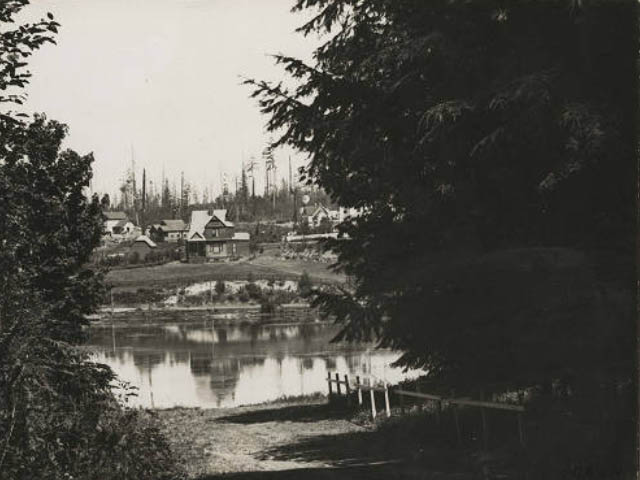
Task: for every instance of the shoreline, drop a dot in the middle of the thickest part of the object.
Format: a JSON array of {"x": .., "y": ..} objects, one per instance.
[
  {"x": 123, "y": 310},
  {"x": 284, "y": 401}
]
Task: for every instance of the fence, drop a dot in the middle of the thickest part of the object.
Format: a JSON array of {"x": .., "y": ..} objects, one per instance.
[
  {"x": 454, "y": 403},
  {"x": 360, "y": 387}
]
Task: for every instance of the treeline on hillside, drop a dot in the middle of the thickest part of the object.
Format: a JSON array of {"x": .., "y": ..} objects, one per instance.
[{"x": 145, "y": 202}]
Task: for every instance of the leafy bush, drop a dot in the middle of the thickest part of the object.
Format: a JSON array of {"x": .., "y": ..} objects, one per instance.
[
  {"x": 243, "y": 296},
  {"x": 254, "y": 291},
  {"x": 61, "y": 418},
  {"x": 304, "y": 284},
  {"x": 220, "y": 287},
  {"x": 134, "y": 258},
  {"x": 142, "y": 295}
]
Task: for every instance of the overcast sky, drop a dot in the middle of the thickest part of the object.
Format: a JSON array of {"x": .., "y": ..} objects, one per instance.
[{"x": 163, "y": 77}]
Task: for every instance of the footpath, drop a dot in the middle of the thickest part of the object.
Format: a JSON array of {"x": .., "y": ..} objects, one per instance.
[{"x": 304, "y": 439}]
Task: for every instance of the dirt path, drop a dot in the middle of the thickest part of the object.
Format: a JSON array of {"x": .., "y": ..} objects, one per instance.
[{"x": 304, "y": 440}]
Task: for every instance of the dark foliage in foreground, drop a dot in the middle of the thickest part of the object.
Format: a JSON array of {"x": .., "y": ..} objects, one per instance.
[
  {"x": 491, "y": 146},
  {"x": 58, "y": 415},
  {"x": 462, "y": 130}
]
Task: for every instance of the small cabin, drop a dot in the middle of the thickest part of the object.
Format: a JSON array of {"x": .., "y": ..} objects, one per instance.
[
  {"x": 142, "y": 245},
  {"x": 172, "y": 231}
]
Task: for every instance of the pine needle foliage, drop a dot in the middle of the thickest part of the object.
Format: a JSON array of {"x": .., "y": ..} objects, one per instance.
[{"x": 463, "y": 129}]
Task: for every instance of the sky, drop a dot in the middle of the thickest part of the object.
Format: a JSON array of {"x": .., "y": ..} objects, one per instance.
[{"x": 160, "y": 81}]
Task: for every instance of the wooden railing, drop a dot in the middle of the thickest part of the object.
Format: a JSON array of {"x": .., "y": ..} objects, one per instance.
[
  {"x": 360, "y": 387},
  {"x": 454, "y": 403}
]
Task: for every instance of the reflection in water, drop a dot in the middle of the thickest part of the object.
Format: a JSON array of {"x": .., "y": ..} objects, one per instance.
[{"x": 200, "y": 365}]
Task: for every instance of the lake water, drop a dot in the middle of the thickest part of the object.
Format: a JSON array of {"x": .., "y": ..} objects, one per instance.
[{"x": 200, "y": 364}]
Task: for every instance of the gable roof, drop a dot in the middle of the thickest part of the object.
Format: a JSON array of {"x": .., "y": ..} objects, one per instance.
[
  {"x": 201, "y": 218},
  {"x": 147, "y": 240},
  {"x": 222, "y": 216},
  {"x": 313, "y": 210},
  {"x": 320, "y": 209},
  {"x": 122, "y": 223},
  {"x": 115, "y": 215},
  {"x": 173, "y": 225}
]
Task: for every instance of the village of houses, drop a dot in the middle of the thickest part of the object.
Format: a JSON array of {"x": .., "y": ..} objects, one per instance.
[
  {"x": 209, "y": 236},
  {"x": 147, "y": 268}
]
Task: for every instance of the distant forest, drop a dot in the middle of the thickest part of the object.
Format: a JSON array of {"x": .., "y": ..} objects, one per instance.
[{"x": 146, "y": 202}]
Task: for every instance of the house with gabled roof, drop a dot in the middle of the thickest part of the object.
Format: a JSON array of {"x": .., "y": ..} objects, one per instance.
[
  {"x": 172, "y": 231},
  {"x": 142, "y": 246},
  {"x": 314, "y": 214},
  {"x": 117, "y": 223},
  {"x": 212, "y": 237}
]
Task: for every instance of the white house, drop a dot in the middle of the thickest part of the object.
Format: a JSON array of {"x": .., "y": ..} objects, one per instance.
[
  {"x": 114, "y": 220},
  {"x": 314, "y": 214}
]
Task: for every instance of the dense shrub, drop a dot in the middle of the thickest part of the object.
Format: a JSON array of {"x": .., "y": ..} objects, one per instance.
[
  {"x": 268, "y": 305},
  {"x": 60, "y": 419},
  {"x": 304, "y": 284},
  {"x": 254, "y": 291},
  {"x": 220, "y": 287},
  {"x": 134, "y": 258},
  {"x": 243, "y": 296},
  {"x": 141, "y": 295}
]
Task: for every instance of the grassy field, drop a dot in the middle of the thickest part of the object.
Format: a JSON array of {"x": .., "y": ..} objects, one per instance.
[{"x": 180, "y": 274}]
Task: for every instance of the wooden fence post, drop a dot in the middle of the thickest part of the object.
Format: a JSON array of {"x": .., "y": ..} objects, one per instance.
[
  {"x": 347, "y": 388},
  {"x": 457, "y": 422},
  {"x": 485, "y": 428},
  {"x": 338, "y": 383},
  {"x": 329, "y": 382},
  {"x": 359, "y": 389},
  {"x": 373, "y": 402},
  {"x": 485, "y": 425},
  {"x": 401, "y": 398},
  {"x": 521, "y": 429},
  {"x": 387, "y": 406}
]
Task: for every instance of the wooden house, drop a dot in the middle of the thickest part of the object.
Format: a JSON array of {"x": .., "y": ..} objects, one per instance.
[
  {"x": 172, "y": 231},
  {"x": 314, "y": 214},
  {"x": 113, "y": 219},
  {"x": 212, "y": 237},
  {"x": 142, "y": 245}
]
